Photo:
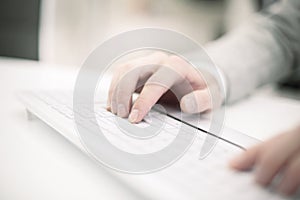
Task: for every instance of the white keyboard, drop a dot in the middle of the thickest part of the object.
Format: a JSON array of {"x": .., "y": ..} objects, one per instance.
[{"x": 188, "y": 178}]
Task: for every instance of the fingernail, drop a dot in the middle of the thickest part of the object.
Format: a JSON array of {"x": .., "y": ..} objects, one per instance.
[
  {"x": 133, "y": 117},
  {"x": 121, "y": 110},
  {"x": 190, "y": 104},
  {"x": 114, "y": 107}
]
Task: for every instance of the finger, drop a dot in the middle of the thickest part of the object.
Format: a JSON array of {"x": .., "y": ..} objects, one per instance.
[
  {"x": 274, "y": 156},
  {"x": 111, "y": 106},
  {"x": 155, "y": 87},
  {"x": 196, "y": 101},
  {"x": 123, "y": 91},
  {"x": 291, "y": 178},
  {"x": 148, "y": 97},
  {"x": 153, "y": 60},
  {"x": 245, "y": 160}
]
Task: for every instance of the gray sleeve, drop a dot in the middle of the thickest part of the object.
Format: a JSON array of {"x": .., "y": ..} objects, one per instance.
[{"x": 264, "y": 50}]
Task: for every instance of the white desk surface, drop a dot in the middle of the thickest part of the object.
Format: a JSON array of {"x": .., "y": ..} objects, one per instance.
[{"x": 37, "y": 163}]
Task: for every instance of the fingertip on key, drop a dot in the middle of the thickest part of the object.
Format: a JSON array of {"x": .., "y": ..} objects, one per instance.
[{"x": 133, "y": 116}]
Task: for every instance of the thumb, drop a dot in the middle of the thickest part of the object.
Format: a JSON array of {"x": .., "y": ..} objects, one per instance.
[{"x": 196, "y": 101}]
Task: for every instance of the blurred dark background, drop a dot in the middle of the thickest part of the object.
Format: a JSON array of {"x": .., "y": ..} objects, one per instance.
[
  {"x": 19, "y": 22},
  {"x": 65, "y": 31}
]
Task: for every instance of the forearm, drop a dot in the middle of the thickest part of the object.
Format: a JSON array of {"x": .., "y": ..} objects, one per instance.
[{"x": 262, "y": 51}]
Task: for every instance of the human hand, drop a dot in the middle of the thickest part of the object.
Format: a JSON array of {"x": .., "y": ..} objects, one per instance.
[
  {"x": 157, "y": 74},
  {"x": 280, "y": 154}
]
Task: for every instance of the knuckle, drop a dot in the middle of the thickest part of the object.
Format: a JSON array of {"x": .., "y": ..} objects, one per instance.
[
  {"x": 124, "y": 69},
  {"x": 175, "y": 58},
  {"x": 178, "y": 64},
  {"x": 123, "y": 66},
  {"x": 160, "y": 54}
]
